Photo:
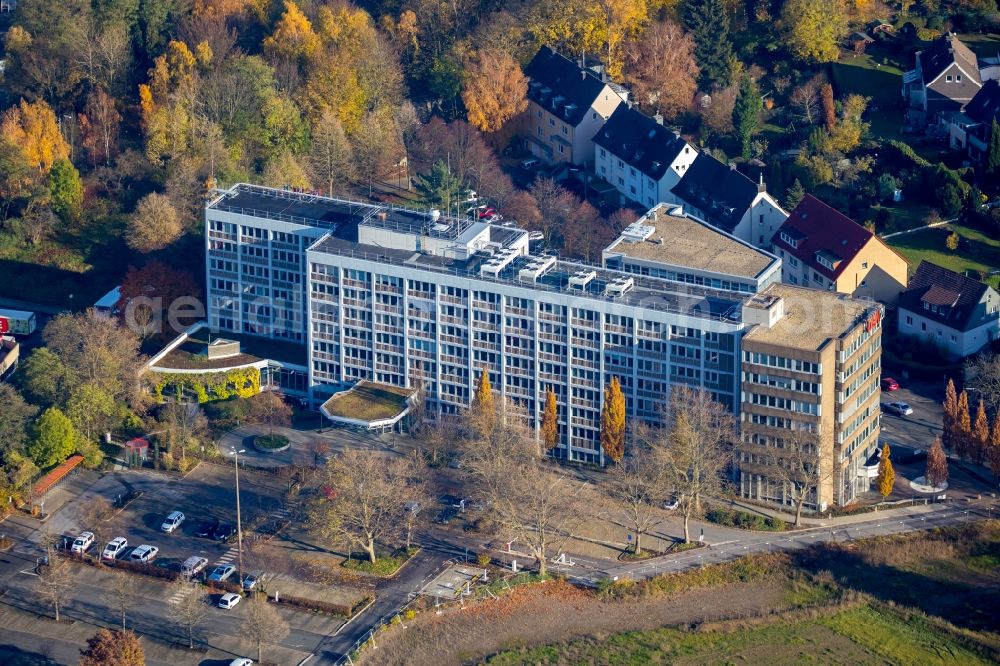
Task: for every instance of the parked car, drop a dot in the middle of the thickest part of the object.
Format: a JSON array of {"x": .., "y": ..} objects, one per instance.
[
  {"x": 412, "y": 507},
  {"x": 114, "y": 548},
  {"x": 671, "y": 504},
  {"x": 223, "y": 532},
  {"x": 172, "y": 522},
  {"x": 229, "y": 600},
  {"x": 221, "y": 572},
  {"x": 206, "y": 528},
  {"x": 193, "y": 566},
  {"x": 82, "y": 543},
  {"x": 529, "y": 163},
  {"x": 889, "y": 384},
  {"x": 249, "y": 582},
  {"x": 144, "y": 554},
  {"x": 898, "y": 408},
  {"x": 241, "y": 661},
  {"x": 445, "y": 516}
]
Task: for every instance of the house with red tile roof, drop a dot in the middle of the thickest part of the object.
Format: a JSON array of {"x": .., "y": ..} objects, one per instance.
[{"x": 822, "y": 248}]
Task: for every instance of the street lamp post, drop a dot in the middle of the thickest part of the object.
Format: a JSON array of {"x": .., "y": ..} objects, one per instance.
[{"x": 239, "y": 525}]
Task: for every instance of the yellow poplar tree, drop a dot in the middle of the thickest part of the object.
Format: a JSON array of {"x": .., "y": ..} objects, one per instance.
[
  {"x": 886, "y": 474},
  {"x": 33, "y": 129},
  {"x": 613, "y": 421},
  {"x": 483, "y": 407},
  {"x": 950, "y": 418},
  {"x": 550, "y": 421},
  {"x": 993, "y": 451},
  {"x": 963, "y": 426},
  {"x": 980, "y": 440}
]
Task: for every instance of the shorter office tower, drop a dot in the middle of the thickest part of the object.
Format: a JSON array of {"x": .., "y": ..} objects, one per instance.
[{"x": 810, "y": 375}]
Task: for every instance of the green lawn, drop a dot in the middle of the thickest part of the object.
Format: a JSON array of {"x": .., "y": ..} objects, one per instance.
[
  {"x": 864, "y": 635},
  {"x": 983, "y": 252}
]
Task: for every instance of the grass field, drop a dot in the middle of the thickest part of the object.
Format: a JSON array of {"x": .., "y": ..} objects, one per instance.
[
  {"x": 981, "y": 252},
  {"x": 864, "y": 635}
]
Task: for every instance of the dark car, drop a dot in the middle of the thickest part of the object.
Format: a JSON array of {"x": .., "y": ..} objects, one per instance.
[
  {"x": 206, "y": 528},
  {"x": 889, "y": 384},
  {"x": 445, "y": 516},
  {"x": 223, "y": 532}
]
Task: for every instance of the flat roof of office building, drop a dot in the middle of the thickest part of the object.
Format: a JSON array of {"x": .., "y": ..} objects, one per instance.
[
  {"x": 315, "y": 210},
  {"x": 678, "y": 240},
  {"x": 648, "y": 292},
  {"x": 812, "y": 317}
]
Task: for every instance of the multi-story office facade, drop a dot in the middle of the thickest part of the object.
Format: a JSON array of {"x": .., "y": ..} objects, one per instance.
[
  {"x": 811, "y": 363},
  {"x": 411, "y": 298}
]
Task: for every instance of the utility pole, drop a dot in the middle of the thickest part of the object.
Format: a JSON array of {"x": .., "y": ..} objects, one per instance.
[{"x": 239, "y": 526}]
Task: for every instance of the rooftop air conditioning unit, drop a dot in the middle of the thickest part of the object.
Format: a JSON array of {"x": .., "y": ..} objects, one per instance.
[
  {"x": 581, "y": 279},
  {"x": 620, "y": 286}
]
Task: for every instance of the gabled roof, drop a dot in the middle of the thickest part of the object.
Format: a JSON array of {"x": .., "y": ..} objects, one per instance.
[
  {"x": 640, "y": 141},
  {"x": 822, "y": 231},
  {"x": 955, "y": 296},
  {"x": 720, "y": 191},
  {"x": 945, "y": 51},
  {"x": 562, "y": 86},
  {"x": 985, "y": 105}
]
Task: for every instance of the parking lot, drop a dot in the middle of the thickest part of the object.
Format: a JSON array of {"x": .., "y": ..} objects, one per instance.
[{"x": 206, "y": 494}]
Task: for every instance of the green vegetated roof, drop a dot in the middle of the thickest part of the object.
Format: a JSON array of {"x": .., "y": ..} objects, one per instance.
[{"x": 367, "y": 401}]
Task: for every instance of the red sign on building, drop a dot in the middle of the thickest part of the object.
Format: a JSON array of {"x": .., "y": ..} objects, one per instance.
[
  {"x": 874, "y": 319},
  {"x": 4, "y": 325}
]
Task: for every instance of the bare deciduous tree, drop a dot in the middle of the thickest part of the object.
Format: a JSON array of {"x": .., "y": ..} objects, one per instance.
[
  {"x": 154, "y": 225},
  {"x": 121, "y": 594},
  {"x": 262, "y": 625},
  {"x": 638, "y": 484},
  {"x": 190, "y": 608},
  {"x": 94, "y": 513},
  {"x": 983, "y": 372},
  {"x": 795, "y": 461},
  {"x": 362, "y": 502},
  {"x": 54, "y": 583},
  {"x": 530, "y": 502},
  {"x": 693, "y": 450},
  {"x": 267, "y": 408},
  {"x": 805, "y": 101}
]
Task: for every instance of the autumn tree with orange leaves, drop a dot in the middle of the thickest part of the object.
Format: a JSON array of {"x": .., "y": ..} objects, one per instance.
[{"x": 494, "y": 91}]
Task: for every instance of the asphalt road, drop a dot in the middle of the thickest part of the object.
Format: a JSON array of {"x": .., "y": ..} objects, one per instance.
[{"x": 920, "y": 428}]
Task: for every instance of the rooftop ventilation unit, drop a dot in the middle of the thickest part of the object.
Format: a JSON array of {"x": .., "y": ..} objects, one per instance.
[
  {"x": 536, "y": 268},
  {"x": 620, "y": 286},
  {"x": 638, "y": 232},
  {"x": 495, "y": 265},
  {"x": 581, "y": 279}
]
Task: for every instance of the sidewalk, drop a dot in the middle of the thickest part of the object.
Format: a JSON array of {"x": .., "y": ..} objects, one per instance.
[{"x": 810, "y": 520}]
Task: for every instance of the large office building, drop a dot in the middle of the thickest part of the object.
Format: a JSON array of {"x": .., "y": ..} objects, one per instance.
[
  {"x": 416, "y": 299},
  {"x": 412, "y": 298},
  {"x": 811, "y": 363}
]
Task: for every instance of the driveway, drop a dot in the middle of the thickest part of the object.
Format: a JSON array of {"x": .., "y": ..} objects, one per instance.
[{"x": 303, "y": 442}]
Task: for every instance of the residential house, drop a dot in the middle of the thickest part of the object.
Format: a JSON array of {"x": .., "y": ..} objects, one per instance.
[
  {"x": 567, "y": 105},
  {"x": 820, "y": 247},
  {"x": 945, "y": 78},
  {"x": 640, "y": 157},
  {"x": 960, "y": 314},
  {"x": 970, "y": 129},
  {"x": 727, "y": 199}
]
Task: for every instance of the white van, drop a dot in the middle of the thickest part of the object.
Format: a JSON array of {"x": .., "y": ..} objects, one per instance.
[
  {"x": 529, "y": 163},
  {"x": 193, "y": 566}
]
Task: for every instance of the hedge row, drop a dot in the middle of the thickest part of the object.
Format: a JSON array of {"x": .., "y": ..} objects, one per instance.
[
  {"x": 744, "y": 520},
  {"x": 324, "y": 606}
]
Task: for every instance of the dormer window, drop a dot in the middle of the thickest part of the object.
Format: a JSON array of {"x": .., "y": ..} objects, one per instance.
[
  {"x": 827, "y": 259},
  {"x": 788, "y": 239},
  {"x": 958, "y": 78},
  {"x": 948, "y": 78}
]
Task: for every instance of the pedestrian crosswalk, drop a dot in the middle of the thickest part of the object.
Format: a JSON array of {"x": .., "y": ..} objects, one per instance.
[
  {"x": 228, "y": 556},
  {"x": 176, "y": 597}
]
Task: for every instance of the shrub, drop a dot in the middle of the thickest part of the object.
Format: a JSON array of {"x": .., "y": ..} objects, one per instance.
[
  {"x": 270, "y": 442},
  {"x": 483, "y": 559},
  {"x": 323, "y": 606},
  {"x": 744, "y": 520}
]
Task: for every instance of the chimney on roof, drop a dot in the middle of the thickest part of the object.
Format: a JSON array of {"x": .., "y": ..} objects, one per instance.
[
  {"x": 761, "y": 187},
  {"x": 583, "y": 74},
  {"x": 732, "y": 166},
  {"x": 658, "y": 118}
]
